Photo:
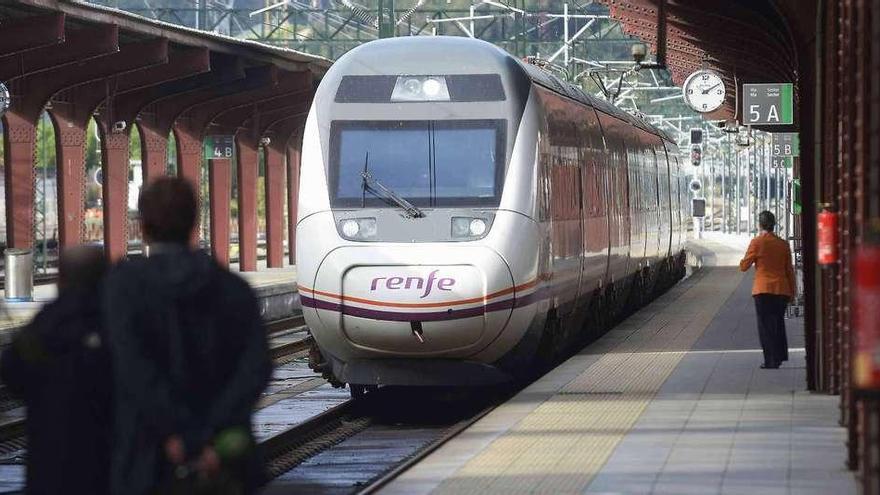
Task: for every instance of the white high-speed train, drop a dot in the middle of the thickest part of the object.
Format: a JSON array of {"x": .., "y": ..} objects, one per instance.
[{"x": 462, "y": 213}]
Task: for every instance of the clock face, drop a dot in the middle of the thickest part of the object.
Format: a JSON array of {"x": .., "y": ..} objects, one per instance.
[{"x": 704, "y": 91}]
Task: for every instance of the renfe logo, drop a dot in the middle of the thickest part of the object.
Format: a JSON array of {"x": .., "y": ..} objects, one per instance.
[{"x": 398, "y": 283}]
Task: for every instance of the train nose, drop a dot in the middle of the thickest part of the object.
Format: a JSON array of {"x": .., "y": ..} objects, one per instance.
[{"x": 412, "y": 300}]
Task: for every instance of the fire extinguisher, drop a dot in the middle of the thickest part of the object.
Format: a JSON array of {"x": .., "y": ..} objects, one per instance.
[
  {"x": 866, "y": 306},
  {"x": 826, "y": 237}
]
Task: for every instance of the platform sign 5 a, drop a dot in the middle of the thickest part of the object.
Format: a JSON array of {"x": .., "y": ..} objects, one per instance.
[
  {"x": 219, "y": 146},
  {"x": 768, "y": 104},
  {"x": 785, "y": 144}
]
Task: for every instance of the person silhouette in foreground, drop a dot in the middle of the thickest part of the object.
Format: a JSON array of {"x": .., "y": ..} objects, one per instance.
[
  {"x": 190, "y": 360},
  {"x": 772, "y": 290},
  {"x": 60, "y": 366}
]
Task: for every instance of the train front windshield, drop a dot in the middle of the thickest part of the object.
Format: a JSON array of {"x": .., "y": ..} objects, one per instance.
[{"x": 429, "y": 163}]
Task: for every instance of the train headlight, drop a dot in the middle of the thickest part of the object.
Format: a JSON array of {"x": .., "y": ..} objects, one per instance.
[
  {"x": 350, "y": 228},
  {"x": 477, "y": 227},
  {"x": 420, "y": 88},
  {"x": 358, "y": 229},
  {"x": 469, "y": 227}
]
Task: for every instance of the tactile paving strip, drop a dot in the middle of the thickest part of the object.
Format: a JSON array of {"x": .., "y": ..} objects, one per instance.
[{"x": 565, "y": 441}]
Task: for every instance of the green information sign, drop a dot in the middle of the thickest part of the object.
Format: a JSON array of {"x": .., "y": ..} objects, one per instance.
[
  {"x": 220, "y": 146},
  {"x": 785, "y": 144},
  {"x": 768, "y": 104},
  {"x": 796, "y": 206}
]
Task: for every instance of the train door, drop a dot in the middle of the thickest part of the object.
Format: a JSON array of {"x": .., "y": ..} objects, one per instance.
[
  {"x": 674, "y": 203},
  {"x": 565, "y": 216},
  {"x": 617, "y": 201},
  {"x": 620, "y": 219},
  {"x": 594, "y": 209},
  {"x": 655, "y": 226},
  {"x": 666, "y": 204},
  {"x": 638, "y": 230}
]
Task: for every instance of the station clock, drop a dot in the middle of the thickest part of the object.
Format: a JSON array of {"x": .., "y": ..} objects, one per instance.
[{"x": 704, "y": 91}]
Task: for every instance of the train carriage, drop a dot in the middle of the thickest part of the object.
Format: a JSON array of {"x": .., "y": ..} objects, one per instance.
[{"x": 463, "y": 214}]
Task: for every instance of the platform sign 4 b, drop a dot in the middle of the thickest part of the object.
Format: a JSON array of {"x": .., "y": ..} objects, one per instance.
[
  {"x": 768, "y": 104},
  {"x": 785, "y": 144},
  {"x": 219, "y": 146}
]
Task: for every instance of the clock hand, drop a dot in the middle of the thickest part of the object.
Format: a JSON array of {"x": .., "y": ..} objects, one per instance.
[{"x": 706, "y": 91}]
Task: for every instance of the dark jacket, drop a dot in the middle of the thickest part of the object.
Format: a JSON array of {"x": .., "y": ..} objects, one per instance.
[
  {"x": 60, "y": 366},
  {"x": 190, "y": 357}
]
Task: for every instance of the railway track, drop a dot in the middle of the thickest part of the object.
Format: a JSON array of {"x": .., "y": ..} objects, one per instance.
[{"x": 359, "y": 446}]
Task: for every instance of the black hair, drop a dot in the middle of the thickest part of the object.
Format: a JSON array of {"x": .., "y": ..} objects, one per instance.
[
  {"x": 168, "y": 209},
  {"x": 767, "y": 220}
]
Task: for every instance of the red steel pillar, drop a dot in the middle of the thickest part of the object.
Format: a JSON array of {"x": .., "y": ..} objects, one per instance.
[
  {"x": 70, "y": 112},
  {"x": 220, "y": 187},
  {"x": 70, "y": 140},
  {"x": 19, "y": 139},
  {"x": 189, "y": 164},
  {"x": 293, "y": 166},
  {"x": 114, "y": 168},
  {"x": 248, "y": 164},
  {"x": 275, "y": 205},
  {"x": 154, "y": 152}
]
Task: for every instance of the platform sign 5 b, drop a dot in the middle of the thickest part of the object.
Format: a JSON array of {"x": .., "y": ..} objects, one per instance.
[
  {"x": 768, "y": 104},
  {"x": 219, "y": 146},
  {"x": 785, "y": 144}
]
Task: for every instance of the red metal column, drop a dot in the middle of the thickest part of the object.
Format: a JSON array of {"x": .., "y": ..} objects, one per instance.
[
  {"x": 70, "y": 139},
  {"x": 71, "y": 111},
  {"x": 275, "y": 205},
  {"x": 293, "y": 166},
  {"x": 154, "y": 153},
  {"x": 220, "y": 186},
  {"x": 115, "y": 154},
  {"x": 189, "y": 162},
  {"x": 18, "y": 153},
  {"x": 248, "y": 164}
]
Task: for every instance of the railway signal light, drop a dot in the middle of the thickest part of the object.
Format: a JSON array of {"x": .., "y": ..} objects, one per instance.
[{"x": 696, "y": 155}]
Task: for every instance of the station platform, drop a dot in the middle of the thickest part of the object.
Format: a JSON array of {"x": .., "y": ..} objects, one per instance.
[
  {"x": 276, "y": 289},
  {"x": 670, "y": 401}
]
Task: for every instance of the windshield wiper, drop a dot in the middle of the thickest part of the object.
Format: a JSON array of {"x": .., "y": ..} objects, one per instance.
[{"x": 379, "y": 189}]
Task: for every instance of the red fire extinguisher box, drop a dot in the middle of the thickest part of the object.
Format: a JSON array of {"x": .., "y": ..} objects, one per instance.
[
  {"x": 866, "y": 314},
  {"x": 826, "y": 237}
]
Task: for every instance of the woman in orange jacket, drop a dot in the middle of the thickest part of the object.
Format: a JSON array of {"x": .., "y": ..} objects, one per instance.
[{"x": 772, "y": 290}]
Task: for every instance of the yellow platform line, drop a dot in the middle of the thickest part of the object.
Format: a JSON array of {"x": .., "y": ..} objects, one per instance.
[{"x": 566, "y": 440}]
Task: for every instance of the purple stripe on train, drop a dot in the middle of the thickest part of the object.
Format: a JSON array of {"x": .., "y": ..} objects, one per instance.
[{"x": 450, "y": 314}]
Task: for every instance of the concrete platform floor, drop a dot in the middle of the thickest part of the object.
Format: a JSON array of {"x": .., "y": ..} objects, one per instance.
[{"x": 671, "y": 401}]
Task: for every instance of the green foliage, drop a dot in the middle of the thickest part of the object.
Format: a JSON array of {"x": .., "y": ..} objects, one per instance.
[
  {"x": 134, "y": 145},
  {"x": 45, "y": 152}
]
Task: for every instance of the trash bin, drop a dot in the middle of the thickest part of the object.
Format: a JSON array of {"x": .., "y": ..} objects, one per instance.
[{"x": 19, "y": 274}]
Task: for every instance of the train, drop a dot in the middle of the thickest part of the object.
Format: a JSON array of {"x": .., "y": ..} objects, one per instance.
[{"x": 463, "y": 215}]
